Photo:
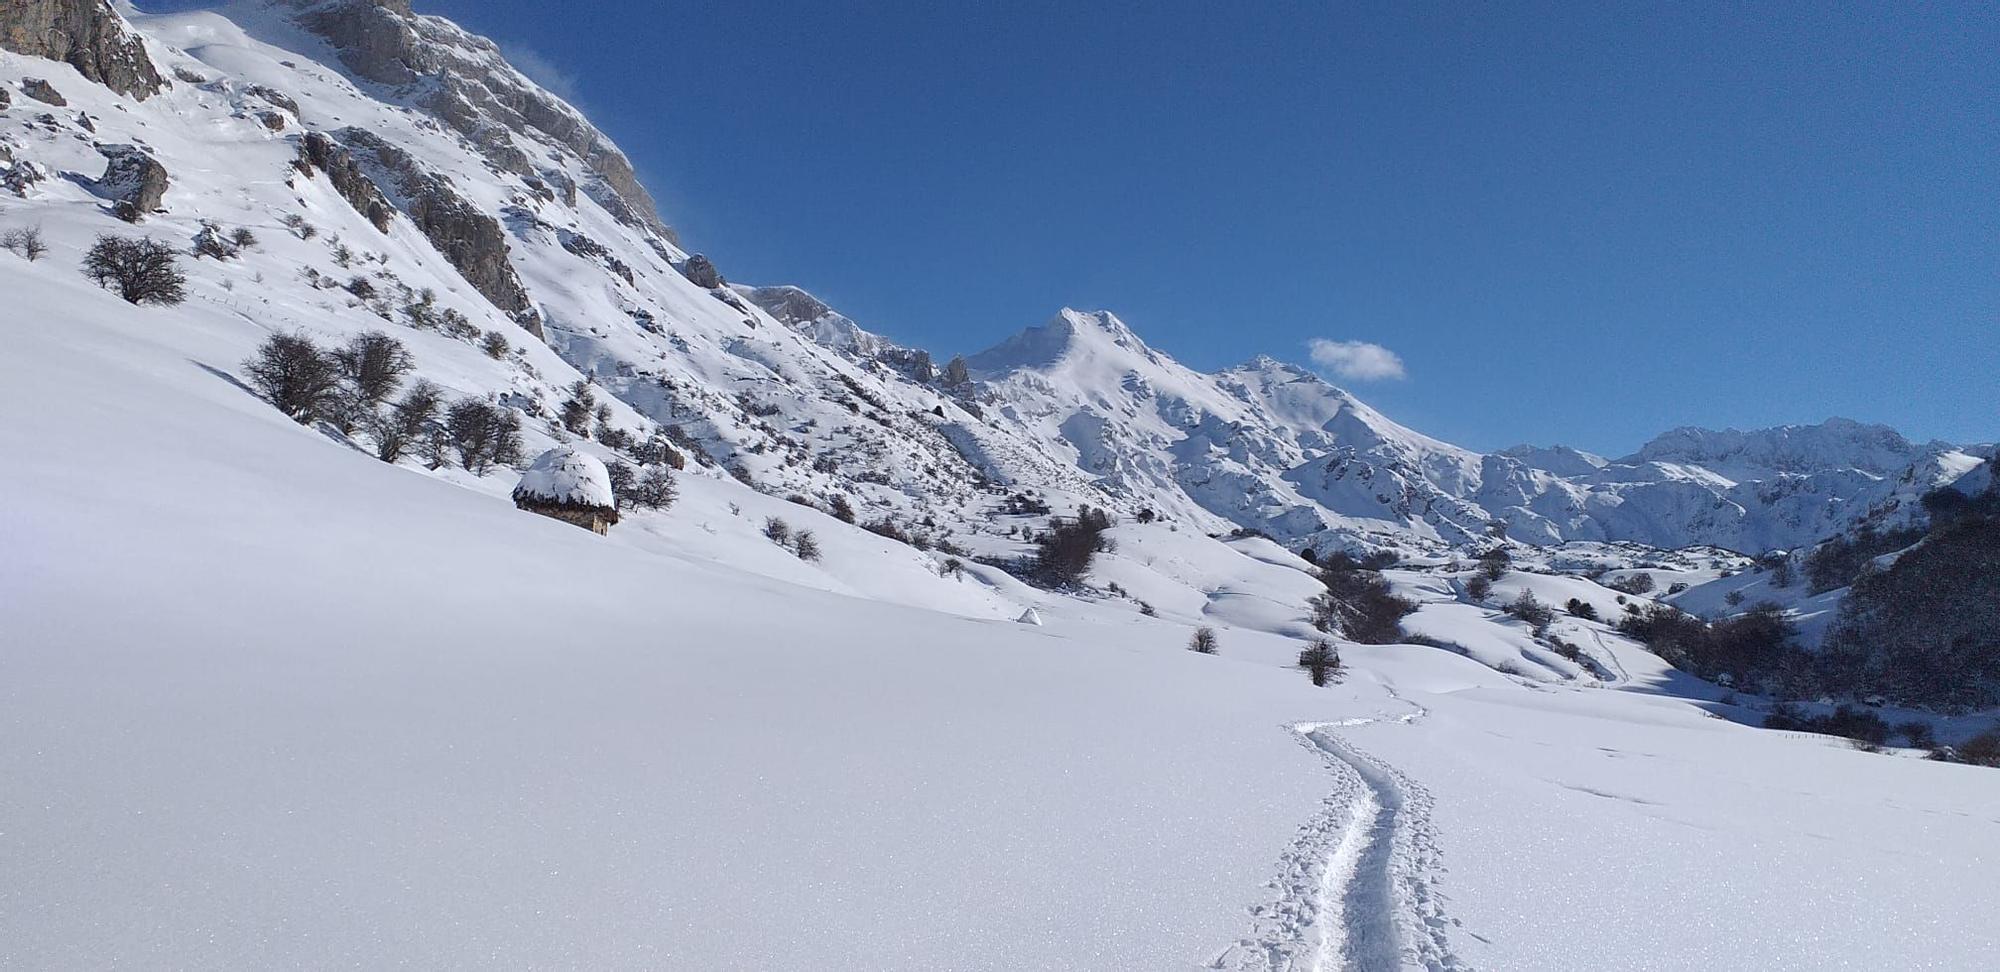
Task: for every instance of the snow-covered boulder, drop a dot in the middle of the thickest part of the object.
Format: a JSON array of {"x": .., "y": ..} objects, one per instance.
[
  {"x": 1030, "y": 616},
  {"x": 569, "y": 485}
]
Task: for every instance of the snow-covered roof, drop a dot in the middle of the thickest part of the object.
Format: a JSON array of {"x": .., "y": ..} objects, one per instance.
[{"x": 567, "y": 476}]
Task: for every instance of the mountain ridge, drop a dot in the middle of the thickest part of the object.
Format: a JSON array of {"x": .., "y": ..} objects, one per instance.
[{"x": 516, "y": 197}]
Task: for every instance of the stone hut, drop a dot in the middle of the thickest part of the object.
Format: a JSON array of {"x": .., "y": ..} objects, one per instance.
[{"x": 569, "y": 485}]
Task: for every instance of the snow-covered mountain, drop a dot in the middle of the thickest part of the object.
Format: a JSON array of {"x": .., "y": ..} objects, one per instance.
[
  {"x": 425, "y": 165},
  {"x": 273, "y": 698}
]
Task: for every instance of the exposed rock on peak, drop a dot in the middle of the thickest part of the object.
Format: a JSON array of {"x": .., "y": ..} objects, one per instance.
[
  {"x": 701, "y": 272},
  {"x": 462, "y": 79},
  {"x": 85, "y": 34}
]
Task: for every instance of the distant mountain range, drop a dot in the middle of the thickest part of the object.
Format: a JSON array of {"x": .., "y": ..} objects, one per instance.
[{"x": 404, "y": 135}]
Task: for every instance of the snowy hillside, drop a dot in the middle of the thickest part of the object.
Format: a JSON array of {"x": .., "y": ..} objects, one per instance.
[{"x": 301, "y": 685}]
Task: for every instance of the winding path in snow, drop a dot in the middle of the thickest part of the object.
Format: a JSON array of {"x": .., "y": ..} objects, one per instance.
[{"x": 1356, "y": 889}]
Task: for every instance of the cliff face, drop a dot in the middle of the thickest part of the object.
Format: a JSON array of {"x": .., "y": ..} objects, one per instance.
[
  {"x": 85, "y": 34},
  {"x": 463, "y": 80}
]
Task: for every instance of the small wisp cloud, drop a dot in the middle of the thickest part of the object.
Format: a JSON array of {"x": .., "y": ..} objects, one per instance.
[{"x": 1356, "y": 360}]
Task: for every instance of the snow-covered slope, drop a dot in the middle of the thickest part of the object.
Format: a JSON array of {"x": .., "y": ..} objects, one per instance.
[
  {"x": 428, "y": 165},
  {"x": 267, "y": 701}
]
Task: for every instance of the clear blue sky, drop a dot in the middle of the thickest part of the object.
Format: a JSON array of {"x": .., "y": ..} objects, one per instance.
[{"x": 1579, "y": 223}]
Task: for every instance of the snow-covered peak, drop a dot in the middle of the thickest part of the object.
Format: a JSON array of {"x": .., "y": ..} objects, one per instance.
[
  {"x": 1069, "y": 334},
  {"x": 1561, "y": 460},
  {"x": 1836, "y": 443}
]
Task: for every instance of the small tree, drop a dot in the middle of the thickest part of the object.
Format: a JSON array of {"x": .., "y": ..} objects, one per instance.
[
  {"x": 622, "y": 476},
  {"x": 1493, "y": 563},
  {"x": 1320, "y": 661},
  {"x": 25, "y": 242},
  {"x": 404, "y": 423},
  {"x": 580, "y": 407},
  {"x": 484, "y": 434},
  {"x": 1640, "y": 583},
  {"x": 1064, "y": 554},
  {"x": 655, "y": 489},
  {"x": 293, "y": 375},
  {"x": 144, "y": 271},
  {"x": 777, "y": 530},
  {"x": 495, "y": 345},
  {"x": 1203, "y": 641},
  {"x": 1580, "y": 609},
  {"x": 841, "y": 509},
  {"x": 1530, "y": 609},
  {"x": 374, "y": 365},
  {"x": 1478, "y": 586},
  {"x": 805, "y": 545}
]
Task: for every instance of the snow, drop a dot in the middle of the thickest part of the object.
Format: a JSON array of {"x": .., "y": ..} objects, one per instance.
[
  {"x": 372, "y": 717},
  {"x": 569, "y": 476},
  {"x": 266, "y": 701}
]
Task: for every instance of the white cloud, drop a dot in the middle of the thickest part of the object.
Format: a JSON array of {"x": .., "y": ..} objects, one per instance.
[{"x": 1356, "y": 360}]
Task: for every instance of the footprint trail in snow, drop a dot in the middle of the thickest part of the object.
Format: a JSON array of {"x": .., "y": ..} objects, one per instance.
[{"x": 1356, "y": 890}]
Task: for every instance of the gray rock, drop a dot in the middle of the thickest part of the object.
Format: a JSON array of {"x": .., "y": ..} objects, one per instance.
[
  {"x": 134, "y": 181},
  {"x": 318, "y": 150},
  {"x": 277, "y": 99},
  {"x": 701, "y": 272},
  {"x": 273, "y": 120},
  {"x": 6, "y": 99},
  {"x": 85, "y": 34},
  {"x": 19, "y": 175},
  {"x": 43, "y": 92},
  {"x": 471, "y": 240},
  {"x": 473, "y": 91},
  {"x": 374, "y": 38}
]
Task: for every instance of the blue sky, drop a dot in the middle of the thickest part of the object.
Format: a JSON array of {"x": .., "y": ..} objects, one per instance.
[{"x": 1570, "y": 223}]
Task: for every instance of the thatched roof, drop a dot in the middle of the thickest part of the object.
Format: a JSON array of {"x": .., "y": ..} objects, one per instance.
[{"x": 567, "y": 478}]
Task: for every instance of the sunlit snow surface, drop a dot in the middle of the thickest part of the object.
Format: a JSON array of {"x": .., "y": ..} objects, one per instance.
[
  {"x": 270, "y": 702},
  {"x": 266, "y": 702}
]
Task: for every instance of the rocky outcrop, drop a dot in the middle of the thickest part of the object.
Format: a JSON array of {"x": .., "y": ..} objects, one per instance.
[
  {"x": 319, "y": 151},
  {"x": 374, "y": 37},
  {"x": 474, "y": 242},
  {"x": 701, "y": 272},
  {"x": 274, "y": 97},
  {"x": 43, "y": 92},
  {"x": 85, "y": 34},
  {"x": 134, "y": 181},
  {"x": 475, "y": 92},
  {"x": 595, "y": 252},
  {"x": 6, "y": 99}
]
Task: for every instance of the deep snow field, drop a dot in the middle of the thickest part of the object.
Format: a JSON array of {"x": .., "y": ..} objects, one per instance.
[{"x": 267, "y": 702}]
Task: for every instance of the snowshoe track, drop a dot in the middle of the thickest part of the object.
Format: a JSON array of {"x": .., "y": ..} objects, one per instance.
[{"x": 1357, "y": 889}]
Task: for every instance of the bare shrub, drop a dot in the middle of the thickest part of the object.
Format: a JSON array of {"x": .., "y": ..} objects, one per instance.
[
  {"x": 144, "y": 271},
  {"x": 483, "y": 434},
  {"x": 1204, "y": 641},
  {"x": 1321, "y": 661},
  {"x": 291, "y": 372}
]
